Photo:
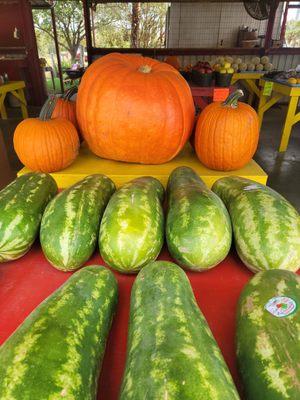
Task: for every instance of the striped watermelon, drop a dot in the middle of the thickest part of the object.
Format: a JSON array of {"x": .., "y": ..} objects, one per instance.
[
  {"x": 57, "y": 351},
  {"x": 132, "y": 228},
  {"x": 198, "y": 227},
  {"x": 268, "y": 336},
  {"x": 266, "y": 227},
  {"x": 171, "y": 353},
  {"x": 22, "y": 203},
  {"x": 70, "y": 224}
]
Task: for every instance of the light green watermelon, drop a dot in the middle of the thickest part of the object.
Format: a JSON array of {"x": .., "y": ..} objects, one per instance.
[
  {"x": 198, "y": 227},
  {"x": 132, "y": 227},
  {"x": 268, "y": 336},
  {"x": 71, "y": 221},
  {"x": 22, "y": 204},
  {"x": 266, "y": 226},
  {"x": 171, "y": 353},
  {"x": 57, "y": 351}
]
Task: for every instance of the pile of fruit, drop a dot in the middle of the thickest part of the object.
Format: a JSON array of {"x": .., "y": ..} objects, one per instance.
[
  {"x": 223, "y": 64},
  {"x": 203, "y": 67},
  {"x": 294, "y": 80},
  {"x": 58, "y": 350}
]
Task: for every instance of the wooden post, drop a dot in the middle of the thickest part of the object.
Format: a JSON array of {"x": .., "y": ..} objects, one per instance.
[
  {"x": 34, "y": 76},
  {"x": 270, "y": 26},
  {"x": 88, "y": 34},
  {"x": 283, "y": 25},
  {"x": 57, "y": 50},
  {"x": 7, "y": 175}
]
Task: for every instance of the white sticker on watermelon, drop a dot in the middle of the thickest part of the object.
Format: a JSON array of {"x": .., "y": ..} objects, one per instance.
[{"x": 281, "y": 306}]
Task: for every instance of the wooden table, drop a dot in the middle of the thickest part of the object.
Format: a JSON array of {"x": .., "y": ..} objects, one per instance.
[
  {"x": 16, "y": 88},
  {"x": 203, "y": 95},
  {"x": 279, "y": 90},
  {"x": 249, "y": 80}
]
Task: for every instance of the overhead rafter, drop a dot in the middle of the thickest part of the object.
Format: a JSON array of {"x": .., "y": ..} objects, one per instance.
[
  {"x": 42, "y": 4},
  {"x": 94, "y": 2}
]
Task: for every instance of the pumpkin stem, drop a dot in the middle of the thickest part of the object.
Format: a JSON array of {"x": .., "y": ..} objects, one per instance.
[
  {"x": 232, "y": 99},
  {"x": 69, "y": 93},
  {"x": 145, "y": 69},
  {"x": 48, "y": 108}
]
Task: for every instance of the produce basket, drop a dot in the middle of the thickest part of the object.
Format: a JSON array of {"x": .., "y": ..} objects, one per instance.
[
  {"x": 187, "y": 75},
  {"x": 202, "y": 79},
  {"x": 223, "y": 80}
]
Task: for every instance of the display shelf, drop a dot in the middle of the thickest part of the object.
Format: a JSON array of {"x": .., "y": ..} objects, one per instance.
[
  {"x": 26, "y": 282},
  {"x": 120, "y": 172}
]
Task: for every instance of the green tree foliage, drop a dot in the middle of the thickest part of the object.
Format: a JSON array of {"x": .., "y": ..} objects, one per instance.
[
  {"x": 131, "y": 24},
  {"x": 113, "y": 25},
  {"x": 69, "y": 22},
  {"x": 292, "y": 34}
]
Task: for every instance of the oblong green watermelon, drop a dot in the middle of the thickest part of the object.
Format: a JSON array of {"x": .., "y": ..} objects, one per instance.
[
  {"x": 22, "y": 204},
  {"x": 171, "y": 353},
  {"x": 57, "y": 351},
  {"x": 266, "y": 226},
  {"x": 268, "y": 336},
  {"x": 198, "y": 227},
  {"x": 132, "y": 227},
  {"x": 70, "y": 224}
]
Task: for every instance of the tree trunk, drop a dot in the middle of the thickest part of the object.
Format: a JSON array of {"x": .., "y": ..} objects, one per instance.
[
  {"x": 73, "y": 52},
  {"x": 135, "y": 25}
]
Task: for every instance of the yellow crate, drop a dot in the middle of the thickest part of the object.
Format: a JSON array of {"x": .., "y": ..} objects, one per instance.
[{"x": 87, "y": 163}]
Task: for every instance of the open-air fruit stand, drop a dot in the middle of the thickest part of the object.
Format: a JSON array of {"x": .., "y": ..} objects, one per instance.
[{"x": 186, "y": 284}]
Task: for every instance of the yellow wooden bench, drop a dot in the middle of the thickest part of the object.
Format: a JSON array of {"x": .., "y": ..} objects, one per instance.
[{"x": 16, "y": 88}]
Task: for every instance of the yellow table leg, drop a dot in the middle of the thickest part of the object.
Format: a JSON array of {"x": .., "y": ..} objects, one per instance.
[
  {"x": 250, "y": 98},
  {"x": 289, "y": 121},
  {"x": 264, "y": 105},
  {"x": 261, "y": 111},
  {"x": 23, "y": 103},
  {"x": 2, "y": 106}
]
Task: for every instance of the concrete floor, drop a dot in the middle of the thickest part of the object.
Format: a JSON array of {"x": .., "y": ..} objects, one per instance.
[{"x": 283, "y": 168}]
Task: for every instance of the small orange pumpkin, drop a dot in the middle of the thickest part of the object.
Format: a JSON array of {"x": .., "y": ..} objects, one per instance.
[
  {"x": 45, "y": 144},
  {"x": 227, "y": 134},
  {"x": 65, "y": 107},
  {"x": 174, "y": 61}
]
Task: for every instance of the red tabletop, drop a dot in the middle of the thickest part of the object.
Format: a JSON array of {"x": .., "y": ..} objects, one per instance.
[
  {"x": 26, "y": 282},
  {"x": 203, "y": 95}
]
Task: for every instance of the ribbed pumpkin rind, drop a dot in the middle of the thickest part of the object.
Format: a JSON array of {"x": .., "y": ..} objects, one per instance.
[
  {"x": 226, "y": 139},
  {"x": 71, "y": 221},
  {"x": 57, "y": 351},
  {"x": 22, "y": 204},
  {"x": 132, "y": 227},
  {"x": 65, "y": 109},
  {"x": 127, "y": 115},
  {"x": 266, "y": 226},
  {"x": 198, "y": 227},
  {"x": 46, "y": 146},
  {"x": 171, "y": 353},
  {"x": 268, "y": 346}
]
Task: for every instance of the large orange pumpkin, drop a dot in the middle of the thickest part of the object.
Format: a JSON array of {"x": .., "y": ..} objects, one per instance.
[
  {"x": 65, "y": 107},
  {"x": 44, "y": 144},
  {"x": 174, "y": 61},
  {"x": 134, "y": 109},
  {"x": 227, "y": 134}
]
